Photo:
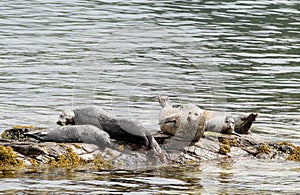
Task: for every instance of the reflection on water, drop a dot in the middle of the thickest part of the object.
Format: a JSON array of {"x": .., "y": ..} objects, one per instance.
[
  {"x": 239, "y": 177},
  {"x": 238, "y": 56}
]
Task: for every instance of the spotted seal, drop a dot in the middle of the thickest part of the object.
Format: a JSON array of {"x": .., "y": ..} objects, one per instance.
[
  {"x": 191, "y": 122},
  {"x": 185, "y": 122},
  {"x": 170, "y": 119},
  {"x": 221, "y": 124}
]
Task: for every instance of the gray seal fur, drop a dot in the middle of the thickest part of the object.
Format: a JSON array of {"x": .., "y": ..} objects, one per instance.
[
  {"x": 126, "y": 130},
  {"x": 77, "y": 133},
  {"x": 221, "y": 124}
]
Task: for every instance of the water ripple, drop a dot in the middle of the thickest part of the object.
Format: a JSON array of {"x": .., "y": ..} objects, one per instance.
[{"x": 238, "y": 56}]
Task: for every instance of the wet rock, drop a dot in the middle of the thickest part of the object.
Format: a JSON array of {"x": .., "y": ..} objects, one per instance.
[{"x": 29, "y": 152}]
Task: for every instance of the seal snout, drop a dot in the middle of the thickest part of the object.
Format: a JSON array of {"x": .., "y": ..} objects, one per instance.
[
  {"x": 192, "y": 116},
  {"x": 66, "y": 118},
  {"x": 59, "y": 123}
]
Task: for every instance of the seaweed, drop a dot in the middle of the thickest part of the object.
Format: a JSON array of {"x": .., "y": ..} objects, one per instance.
[
  {"x": 100, "y": 163},
  {"x": 224, "y": 149},
  {"x": 263, "y": 148},
  {"x": 9, "y": 159},
  {"x": 69, "y": 160},
  {"x": 17, "y": 132},
  {"x": 295, "y": 155}
]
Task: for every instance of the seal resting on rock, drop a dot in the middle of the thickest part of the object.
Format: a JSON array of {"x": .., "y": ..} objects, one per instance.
[
  {"x": 170, "y": 119},
  {"x": 77, "y": 133},
  {"x": 191, "y": 120},
  {"x": 190, "y": 128},
  {"x": 125, "y": 130},
  {"x": 242, "y": 122},
  {"x": 185, "y": 122},
  {"x": 221, "y": 124}
]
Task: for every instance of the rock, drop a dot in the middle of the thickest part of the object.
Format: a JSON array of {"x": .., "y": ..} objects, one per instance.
[{"x": 28, "y": 152}]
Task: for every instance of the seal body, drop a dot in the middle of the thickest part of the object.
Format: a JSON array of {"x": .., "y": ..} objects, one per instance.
[
  {"x": 170, "y": 120},
  {"x": 242, "y": 122},
  {"x": 185, "y": 122},
  {"x": 77, "y": 133},
  {"x": 191, "y": 120},
  {"x": 221, "y": 124},
  {"x": 189, "y": 130},
  {"x": 125, "y": 130}
]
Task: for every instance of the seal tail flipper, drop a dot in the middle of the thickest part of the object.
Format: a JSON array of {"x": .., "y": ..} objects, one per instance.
[
  {"x": 38, "y": 135},
  {"x": 245, "y": 124},
  {"x": 156, "y": 148}
]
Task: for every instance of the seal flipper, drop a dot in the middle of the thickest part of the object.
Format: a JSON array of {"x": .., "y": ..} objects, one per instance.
[
  {"x": 243, "y": 123},
  {"x": 38, "y": 135},
  {"x": 140, "y": 135}
]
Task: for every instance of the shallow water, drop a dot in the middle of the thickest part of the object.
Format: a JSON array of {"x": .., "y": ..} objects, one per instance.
[{"x": 238, "y": 56}]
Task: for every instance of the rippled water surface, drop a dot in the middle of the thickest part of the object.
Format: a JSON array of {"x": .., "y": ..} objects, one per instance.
[{"x": 238, "y": 56}]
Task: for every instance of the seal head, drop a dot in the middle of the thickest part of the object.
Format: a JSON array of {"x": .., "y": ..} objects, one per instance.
[
  {"x": 67, "y": 117},
  {"x": 228, "y": 125}
]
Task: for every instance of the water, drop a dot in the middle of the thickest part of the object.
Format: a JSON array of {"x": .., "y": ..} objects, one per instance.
[{"x": 238, "y": 56}]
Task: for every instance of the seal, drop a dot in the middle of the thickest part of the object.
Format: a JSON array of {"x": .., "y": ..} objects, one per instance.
[
  {"x": 126, "y": 130},
  {"x": 221, "y": 124},
  {"x": 170, "y": 118},
  {"x": 77, "y": 133},
  {"x": 191, "y": 122},
  {"x": 190, "y": 128},
  {"x": 185, "y": 122}
]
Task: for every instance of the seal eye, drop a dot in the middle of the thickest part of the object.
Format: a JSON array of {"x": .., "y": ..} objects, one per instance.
[
  {"x": 196, "y": 114},
  {"x": 61, "y": 116},
  {"x": 226, "y": 121},
  {"x": 190, "y": 112}
]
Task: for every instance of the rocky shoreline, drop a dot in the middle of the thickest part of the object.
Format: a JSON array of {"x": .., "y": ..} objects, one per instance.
[{"x": 18, "y": 152}]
